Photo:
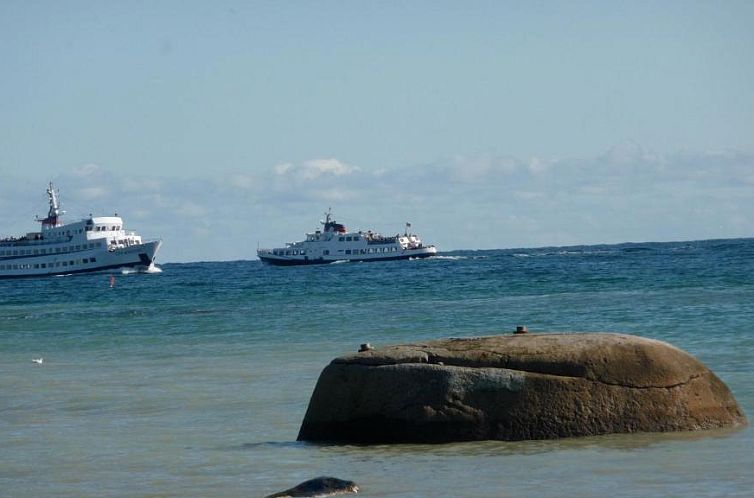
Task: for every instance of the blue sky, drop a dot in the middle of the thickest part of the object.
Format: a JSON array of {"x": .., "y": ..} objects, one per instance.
[{"x": 222, "y": 125}]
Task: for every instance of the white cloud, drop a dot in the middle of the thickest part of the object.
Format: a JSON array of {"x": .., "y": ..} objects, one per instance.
[
  {"x": 85, "y": 170},
  {"x": 482, "y": 168},
  {"x": 141, "y": 184},
  {"x": 314, "y": 169},
  {"x": 628, "y": 152},
  {"x": 282, "y": 169},
  {"x": 319, "y": 167},
  {"x": 538, "y": 166},
  {"x": 92, "y": 193},
  {"x": 243, "y": 182},
  {"x": 490, "y": 201}
]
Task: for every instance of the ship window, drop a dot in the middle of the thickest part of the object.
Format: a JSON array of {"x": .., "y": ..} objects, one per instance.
[
  {"x": 341, "y": 239},
  {"x": 326, "y": 252},
  {"x": 65, "y": 263},
  {"x": 85, "y": 260},
  {"x": 348, "y": 251},
  {"x": 349, "y": 238},
  {"x": 356, "y": 238},
  {"x": 92, "y": 260},
  {"x": 44, "y": 265},
  {"x": 36, "y": 266}
]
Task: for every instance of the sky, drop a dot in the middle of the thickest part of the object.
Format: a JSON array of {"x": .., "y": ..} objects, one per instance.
[{"x": 223, "y": 126}]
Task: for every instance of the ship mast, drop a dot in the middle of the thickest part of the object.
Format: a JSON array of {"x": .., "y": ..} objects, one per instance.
[{"x": 53, "y": 215}]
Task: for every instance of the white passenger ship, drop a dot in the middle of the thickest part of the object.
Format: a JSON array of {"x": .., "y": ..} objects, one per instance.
[
  {"x": 93, "y": 244},
  {"x": 335, "y": 243}
]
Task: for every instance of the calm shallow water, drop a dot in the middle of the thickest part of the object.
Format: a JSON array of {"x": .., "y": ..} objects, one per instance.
[{"x": 193, "y": 382}]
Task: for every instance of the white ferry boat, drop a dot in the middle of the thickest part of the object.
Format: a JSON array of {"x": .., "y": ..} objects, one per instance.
[
  {"x": 93, "y": 244},
  {"x": 335, "y": 243}
]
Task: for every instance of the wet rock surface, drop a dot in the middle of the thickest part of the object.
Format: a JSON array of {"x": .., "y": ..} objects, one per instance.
[
  {"x": 319, "y": 486},
  {"x": 515, "y": 387}
]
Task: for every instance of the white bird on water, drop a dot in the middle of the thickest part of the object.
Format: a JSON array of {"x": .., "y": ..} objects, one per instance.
[{"x": 38, "y": 361}]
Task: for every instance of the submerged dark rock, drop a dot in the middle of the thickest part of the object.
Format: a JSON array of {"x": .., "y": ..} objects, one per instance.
[
  {"x": 319, "y": 486},
  {"x": 515, "y": 387}
]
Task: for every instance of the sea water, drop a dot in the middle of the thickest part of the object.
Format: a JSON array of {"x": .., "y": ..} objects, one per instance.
[{"x": 193, "y": 382}]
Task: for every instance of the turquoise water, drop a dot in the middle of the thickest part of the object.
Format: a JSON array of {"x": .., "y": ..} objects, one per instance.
[{"x": 193, "y": 382}]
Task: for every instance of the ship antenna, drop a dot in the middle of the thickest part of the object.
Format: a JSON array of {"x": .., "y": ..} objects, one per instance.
[
  {"x": 328, "y": 215},
  {"x": 54, "y": 213}
]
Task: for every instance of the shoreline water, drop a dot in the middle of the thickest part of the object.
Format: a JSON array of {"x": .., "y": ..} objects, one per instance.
[{"x": 193, "y": 382}]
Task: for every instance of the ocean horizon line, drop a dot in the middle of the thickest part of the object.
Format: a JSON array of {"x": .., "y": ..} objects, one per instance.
[{"x": 517, "y": 248}]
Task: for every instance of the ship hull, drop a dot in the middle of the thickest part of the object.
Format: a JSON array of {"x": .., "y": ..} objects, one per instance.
[
  {"x": 302, "y": 261},
  {"x": 137, "y": 257}
]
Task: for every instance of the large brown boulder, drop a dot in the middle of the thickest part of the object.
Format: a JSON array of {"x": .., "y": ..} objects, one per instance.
[{"x": 514, "y": 387}]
